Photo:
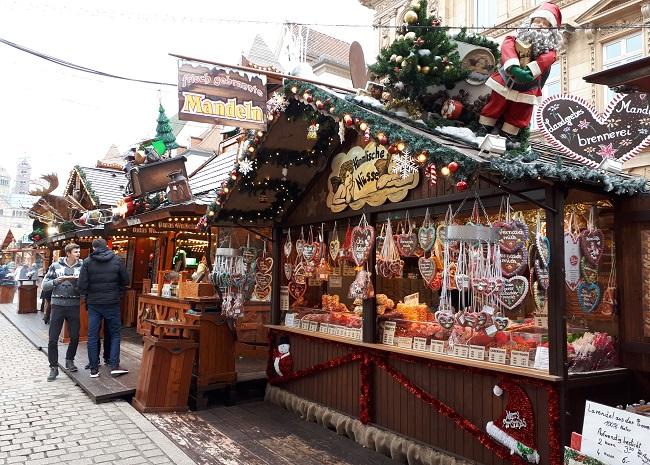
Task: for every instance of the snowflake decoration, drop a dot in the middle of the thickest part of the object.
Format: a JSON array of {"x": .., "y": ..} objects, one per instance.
[
  {"x": 403, "y": 165},
  {"x": 245, "y": 166},
  {"x": 277, "y": 103}
]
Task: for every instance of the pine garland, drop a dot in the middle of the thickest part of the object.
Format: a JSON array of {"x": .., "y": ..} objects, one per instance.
[
  {"x": 481, "y": 41},
  {"x": 89, "y": 188}
]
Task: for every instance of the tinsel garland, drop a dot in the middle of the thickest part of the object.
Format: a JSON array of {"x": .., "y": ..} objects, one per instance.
[{"x": 369, "y": 357}]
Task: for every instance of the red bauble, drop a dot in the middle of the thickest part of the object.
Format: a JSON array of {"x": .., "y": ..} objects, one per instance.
[
  {"x": 348, "y": 120},
  {"x": 320, "y": 105},
  {"x": 453, "y": 166},
  {"x": 461, "y": 185},
  {"x": 382, "y": 139},
  {"x": 393, "y": 149}
]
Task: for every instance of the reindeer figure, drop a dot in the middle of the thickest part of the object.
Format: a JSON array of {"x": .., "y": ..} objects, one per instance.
[{"x": 50, "y": 206}]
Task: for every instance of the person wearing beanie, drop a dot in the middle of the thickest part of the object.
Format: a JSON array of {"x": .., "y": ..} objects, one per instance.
[
  {"x": 526, "y": 61},
  {"x": 515, "y": 427}
]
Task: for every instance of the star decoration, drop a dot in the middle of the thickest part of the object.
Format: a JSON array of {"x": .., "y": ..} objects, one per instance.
[
  {"x": 245, "y": 166},
  {"x": 403, "y": 165}
]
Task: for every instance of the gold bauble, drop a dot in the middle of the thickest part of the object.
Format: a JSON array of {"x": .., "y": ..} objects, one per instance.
[
  {"x": 411, "y": 17},
  {"x": 419, "y": 68},
  {"x": 409, "y": 35},
  {"x": 404, "y": 64},
  {"x": 393, "y": 57},
  {"x": 415, "y": 4},
  {"x": 425, "y": 70},
  {"x": 399, "y": 58}
]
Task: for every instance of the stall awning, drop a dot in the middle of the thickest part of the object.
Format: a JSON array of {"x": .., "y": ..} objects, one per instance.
[{"x": 633, "y": 76}]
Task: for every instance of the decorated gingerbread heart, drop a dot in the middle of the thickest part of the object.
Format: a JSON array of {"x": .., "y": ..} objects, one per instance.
[
  {"x": 514, "y": 263},
  {"x": 543, "y": 249},
  {"x": 542, "y": 274},
  {"x": 262, "y": 294},
  {"x": 592, "y": 244},
  {"x": 588, "y": 296},
  {"x": 297, "y": 290},
  {"x": 501, "y": 322},
  {"x": 249, "y": 254},
  {"x": 363, "y": 239},
  {"x": 426, "y": 237},
  {"x": 288, "y": 270},
  {"x": 263, "y": 280},
  {"x": 288, "y": 246},
  {"x": 264, "y": 264},
  {"x": 406, "y": 244},
  {"x": 588, "y": 271},
  {"x": 335, "y": 246},
  {"x": 540, "y": 298},
  {"x": 513, "y": 292},
  {"x": 300, "y": 244},
  {"x": 427, "y": 267},
  {"x": 310, "y": 251},
  {"x": 445, "y": 319},
  {"x": 512, "y": 236}
]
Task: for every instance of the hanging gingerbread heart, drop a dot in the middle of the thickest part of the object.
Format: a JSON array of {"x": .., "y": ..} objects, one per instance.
[
  {"x": 427, "y": 268},
  {"x": 513, "y": 292},
  {"x": 592, "y": 244},
  {"x": 309, "y": 251},
  {"x": 588, "y": 271},
  {"x": 462, "y": 281},
  {"x": 514, "y": 263},
  {"x": 501, "y": 322},
  {"x": 543, "y": 249},
  {"x": 445, "y": 319},
  {"x": 288, "y": 246},
  {"x": 436, "y": 283},
  {"x": 249, "y": 254},
  {"x": 297, "y": 290},
  {"x": 571, "y": 260},
  {"x": 288, "y": 270},
  {"x": 406, "y": 244},
  {"x": 262, "y": 294},
  {"x": 608, "y": 303},
  {"x": 482, "y": 320},
  {"x": 396, "y": 268},
  {"x": 588, "y": 296},
  {"x": 426, "y": 237},
  {"x": 512, "y": 235},
  {"x": 540, "y": 298},
  {"x": 363, "y": 239},
  {"x": 300, "y": 244},
  {"x": 264, "y": 264},
  {"x": 263, "y": 280},
  {"x": 469, "y": 319},
  {"x": 299, "y": 273},
  {"x": 542, "y": 274},
  {"x": 335, "y": 247}
]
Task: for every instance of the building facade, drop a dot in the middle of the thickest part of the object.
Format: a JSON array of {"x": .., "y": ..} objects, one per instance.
[{"x": 599, "y": 34}]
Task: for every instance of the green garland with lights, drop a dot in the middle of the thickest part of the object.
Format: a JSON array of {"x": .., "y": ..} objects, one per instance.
[{"x": 89, "y": 188}]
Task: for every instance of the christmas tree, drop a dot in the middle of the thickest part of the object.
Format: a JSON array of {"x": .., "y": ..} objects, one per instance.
[
  {"x": 164, "y": 130},
  {"x": 422, "y": 55}
]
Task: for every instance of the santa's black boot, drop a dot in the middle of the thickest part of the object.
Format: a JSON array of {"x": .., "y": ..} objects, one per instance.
[{"x": 512, "y": 141}]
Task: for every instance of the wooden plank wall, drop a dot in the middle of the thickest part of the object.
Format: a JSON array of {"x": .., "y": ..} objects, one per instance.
[{"x": 396, "y": 409}]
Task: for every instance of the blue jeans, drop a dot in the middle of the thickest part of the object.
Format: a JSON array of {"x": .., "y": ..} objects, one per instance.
[{"x": 111, "y": 315}]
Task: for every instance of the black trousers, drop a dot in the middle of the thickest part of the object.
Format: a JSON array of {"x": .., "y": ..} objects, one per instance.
[{"x": 57, "y": 316}]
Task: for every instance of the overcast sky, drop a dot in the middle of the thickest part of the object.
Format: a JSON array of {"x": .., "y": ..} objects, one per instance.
[{"x": 60, "y": 117}]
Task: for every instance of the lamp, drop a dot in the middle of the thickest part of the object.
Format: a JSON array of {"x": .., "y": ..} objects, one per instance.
[{"x": 492, "y": 144}]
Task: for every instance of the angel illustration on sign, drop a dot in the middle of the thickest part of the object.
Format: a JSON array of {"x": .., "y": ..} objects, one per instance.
[{"x": 343, "y": 185}]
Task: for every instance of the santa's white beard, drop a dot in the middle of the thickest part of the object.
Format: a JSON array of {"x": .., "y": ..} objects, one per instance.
[{"x": 542, "y": 40}]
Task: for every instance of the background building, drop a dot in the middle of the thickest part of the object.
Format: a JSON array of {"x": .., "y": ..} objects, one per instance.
[{"x": 15, "y": 202}]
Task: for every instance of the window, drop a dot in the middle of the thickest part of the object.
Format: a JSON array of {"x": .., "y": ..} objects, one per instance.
[
  {"x": 618, "y": 52},
  {"x": 485, "y": 13},
  {"x": 551, "y": 87}
]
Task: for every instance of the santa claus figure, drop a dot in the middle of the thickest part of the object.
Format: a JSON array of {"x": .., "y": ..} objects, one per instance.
[
  {"x": 526, "y": 61},
  {"x": 515, "y": 427},
  {"x": 282, "y": 361}
]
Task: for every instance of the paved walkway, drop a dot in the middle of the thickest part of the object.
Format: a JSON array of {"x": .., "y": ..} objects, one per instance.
[{"x": 56, "y": 423}]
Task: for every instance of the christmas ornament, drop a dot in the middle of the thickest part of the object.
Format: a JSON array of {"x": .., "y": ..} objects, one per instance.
[
  {"x": 410, "y": 17},
  {"x": 403, "y": 165},
  {"x": 348, "y": 121},
  {"x": 312, "y": 131},
  {"x": 430, "y": 173},
  {"x": 453, "y": 166},
  {"x": 277, "y": 103},
  {"x": 461, "y": 185},
  {"x": 382, "y": 139},
  {"x": 245, "y": 166}
]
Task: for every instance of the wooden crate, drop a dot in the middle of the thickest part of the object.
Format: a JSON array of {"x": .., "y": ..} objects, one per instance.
[{"x": 192, "y": 289}]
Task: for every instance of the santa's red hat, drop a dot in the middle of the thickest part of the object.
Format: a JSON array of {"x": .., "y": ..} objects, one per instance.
[
  {"x": 515, "y": 427},
  {"x": 550, "y": 12}
]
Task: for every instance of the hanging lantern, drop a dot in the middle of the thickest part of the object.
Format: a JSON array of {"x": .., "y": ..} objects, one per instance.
[
  {"x": 382, "y": 139},
  {"x": 348, "y": 120}
]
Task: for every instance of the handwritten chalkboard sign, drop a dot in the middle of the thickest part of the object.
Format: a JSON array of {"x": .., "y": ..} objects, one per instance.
[
  {"x": 573, "y": 126},
  {"x": 615, "y": 436}
]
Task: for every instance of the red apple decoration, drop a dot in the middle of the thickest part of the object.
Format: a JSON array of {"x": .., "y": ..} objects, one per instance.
[
  {"x": 461, "y": 185},
  {"x": 348, "y": 121},
  {"x": 453, "y": 166},
  {"x": 382, "y": 139},
  {"x": 393, "y": 149}
]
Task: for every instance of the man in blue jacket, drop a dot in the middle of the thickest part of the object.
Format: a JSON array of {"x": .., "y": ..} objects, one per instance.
[
  {"x": 102, "y": 281},
  {"x": 61, "y": 280}
]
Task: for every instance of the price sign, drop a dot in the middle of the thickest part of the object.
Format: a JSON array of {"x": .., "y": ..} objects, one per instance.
[
  {"x": 412, "y": 299},
  {"x": 332, "y": 329},
  {"x": 477, "y": 352},
  {"x": 419, "y": 343},
  {"x": 296, "y": 323},
  {"x": 289, "y": 319},
  {"x": 348, "y": 270},
  {"x": 541, "y": 358},
  {"x": 519, "y": 358},
  {"x": 541, "y": 322},
  {"x": 313, "y": 282},
  {"x": 304, "y": 324},
  {"x": 284, "y": 298},
  {"x": 437, "y": 347},
  {"x": 496, "y": 355},
  {"x": 389, "y": 333},
  {"x": 336, "y": 281},
  {"x": 324, "y": 328},
  {"x": 313, "y": 326},
  {"x": 461, "y": 350},
  {"x": 405, "y": 342},
  {"x": 358, "y": 335}
]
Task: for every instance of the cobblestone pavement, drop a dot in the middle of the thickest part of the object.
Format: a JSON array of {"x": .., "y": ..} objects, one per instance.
[{"x": 43, "y": 423}]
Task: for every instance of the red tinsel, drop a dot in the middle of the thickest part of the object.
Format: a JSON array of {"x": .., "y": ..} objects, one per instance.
[{"x": 380, "y": 360}]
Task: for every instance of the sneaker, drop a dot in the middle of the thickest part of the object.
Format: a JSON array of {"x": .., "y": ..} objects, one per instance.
[
  {"x": 70, "y": 366},
  {"x": 94, "y": 373},
  {"x": 46, "y": 319},
  {"x": 117, "y": 371},
  {"x": 54, "y": 372}
]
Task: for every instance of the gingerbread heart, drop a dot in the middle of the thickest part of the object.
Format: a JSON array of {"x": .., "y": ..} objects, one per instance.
[
  {"x": 264, "y": 265},
  {"x": 288, "y": 270},
  {"x": 335, "y": 246},
  {"x": 427, "y": 268},
  {"x": 363, "y": 239},
  {"x": 262, "y": 293},
  {"x": 542, "y": 274},
  {"x": 540, "y": 298},
  {"x": 297, "y": 290},
  {"x": 480, "y": 285},
  {"x": 445, "y": 319},
  {"x": 396, "y": 268},
  {"x": 287, "y": 248},
  {"x": 462, "y": 281},
  {"x": 588, "y": 296},
  {"x": 501, "y": 322},
  {"x": 470, "y": 319},
  {"x": 249, "y": 254},
  {"x": 482, "y": 320},
  {"x": 588, "y": 271},
  {"x": 543, "y": 249},
  {"x": 300, "y": 244},
  {"x": 426, "y": 237},
  {"x": 576, "y": 128},
  {"x": 263, "y": 280},
  {"x": 299, "y": 273},
  {"x": 310, "y": 250},
  {"x": 513, "y": 292},
  {"x": 512, "y": 236},
  {"x": 406, "y": 244},
  {"x": 514, "y": 263},
  {"x": 436, "y": 283},
  {"x": 571, "y": 260},
  {"x": 592, "y": 244}
]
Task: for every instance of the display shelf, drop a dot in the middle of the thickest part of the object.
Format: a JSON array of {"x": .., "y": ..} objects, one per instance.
[{"x": 496, "y": 367}]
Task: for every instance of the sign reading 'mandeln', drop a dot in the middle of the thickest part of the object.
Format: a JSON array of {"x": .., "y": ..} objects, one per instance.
[{"x": 218, "y": 95}]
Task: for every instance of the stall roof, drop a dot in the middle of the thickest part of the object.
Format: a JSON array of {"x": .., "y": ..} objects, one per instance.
[
  {"x": 105, "y": 186},
  {"x": 632, "y": 76},
  {"x": 213, "y": 172}
]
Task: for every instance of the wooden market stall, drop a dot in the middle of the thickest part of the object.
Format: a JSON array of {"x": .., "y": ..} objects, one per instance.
[{"x": 401, "y": 330}]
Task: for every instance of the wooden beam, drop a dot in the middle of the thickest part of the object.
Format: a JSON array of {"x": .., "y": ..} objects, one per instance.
[
  {"x": 369, "y": 322},
  {"x": 276, "y": 251},
  {"x": 517, "y": 194}
]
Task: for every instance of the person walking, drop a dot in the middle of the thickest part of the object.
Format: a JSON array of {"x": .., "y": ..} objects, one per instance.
[
  {"x": 62, "y": 280},
  {"x": 102, "y": 282}
]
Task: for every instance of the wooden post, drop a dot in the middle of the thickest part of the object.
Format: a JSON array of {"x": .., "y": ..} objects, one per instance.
[
  {"x": 370, "y": 305},
  {"x": 277, "y": 274}
]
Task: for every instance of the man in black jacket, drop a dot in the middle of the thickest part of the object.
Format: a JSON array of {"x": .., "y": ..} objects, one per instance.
[{"x": 102, "y": 281}]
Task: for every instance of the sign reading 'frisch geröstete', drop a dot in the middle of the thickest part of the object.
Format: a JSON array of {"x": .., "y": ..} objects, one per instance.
[
  {"x": 574, "y": 127},
  {"x": 214, "y": 94}
]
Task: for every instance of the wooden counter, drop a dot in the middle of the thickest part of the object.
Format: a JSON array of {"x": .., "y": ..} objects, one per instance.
[{"x": 155, "y": 307}]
